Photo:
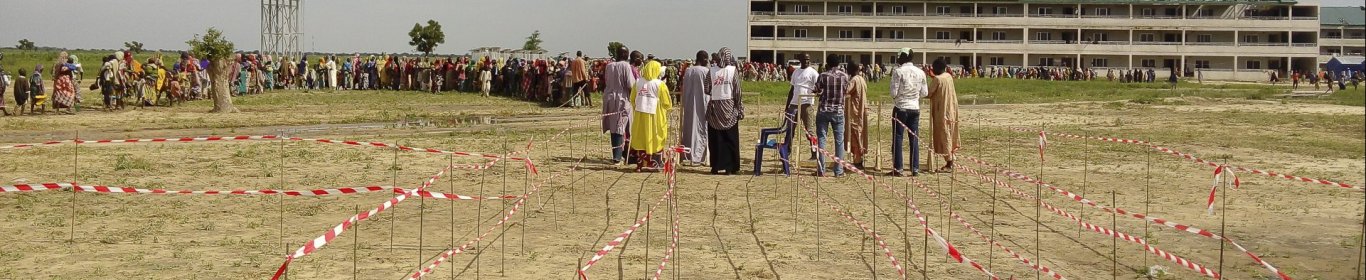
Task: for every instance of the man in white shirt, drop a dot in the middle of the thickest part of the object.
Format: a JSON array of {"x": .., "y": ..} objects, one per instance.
[
  {"x": 907, "y": 87},
  {"x": 803, "y": 81}
]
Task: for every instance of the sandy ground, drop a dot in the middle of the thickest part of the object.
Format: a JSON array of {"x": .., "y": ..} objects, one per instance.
[{"x": 744, "y": 227}]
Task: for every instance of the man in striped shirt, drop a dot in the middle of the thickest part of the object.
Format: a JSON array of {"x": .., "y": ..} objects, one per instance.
[{"x": 831, "y": 87}]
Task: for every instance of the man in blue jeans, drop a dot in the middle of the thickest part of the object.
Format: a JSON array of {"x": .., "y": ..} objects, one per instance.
[
  {"x": 907, "y": 87},
  {"x": 831, "y": 87}
]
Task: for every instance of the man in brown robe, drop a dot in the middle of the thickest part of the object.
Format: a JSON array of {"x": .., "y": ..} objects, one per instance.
[
  {"x": 856, "y": 116},
  {"x": 944, "y": 114}
]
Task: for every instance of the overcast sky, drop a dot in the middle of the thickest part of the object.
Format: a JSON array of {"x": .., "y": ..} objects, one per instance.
[{"x": 667, "y": 28}]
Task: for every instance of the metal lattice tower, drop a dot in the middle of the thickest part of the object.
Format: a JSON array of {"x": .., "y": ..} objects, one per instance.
[{"x": 281, "y": 27}]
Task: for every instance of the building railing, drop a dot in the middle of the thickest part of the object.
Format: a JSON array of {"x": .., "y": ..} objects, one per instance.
[
  {"x": 900, "y": 39},
  {"x": 1108, "y": 42},
  {"x": 1301, "y": 45},
  {"x": 904, "y": 14},
  {"x": 799, "y": 39},
  {"x": 786, "y": 13},
  {"x": 761, "y": 38},
  {"x": 851, "y": 14},
  {"x": 1204, "y": 17},
  {"x": 1000, "y": 15},
  {"x": 1263, "y": 44},
  {"x": 940, "y": 40},
  {"x": 1304, "y": 18},
  {"x": 1000, "y": 41},
  {"x": 1157, "y": 43},
  {"x": 1049, "y": 42},
  {"x": 1330, "y": 37},
  {"x": 1252, "y": 70},
  {"x": 1105, "y": 16},
  {"x": 761, "y": 13},
  {"x": 850, "y": 39},
  {"x": 1157, "y": 17},
  {"x": 1266, "y": 17},
  {"x": 1209, "y": 43},
  {"x": 1215, "y": 69},
  {"x": 1052, "y": 15}
]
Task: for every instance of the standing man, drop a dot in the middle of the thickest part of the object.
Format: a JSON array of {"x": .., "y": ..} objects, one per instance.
[
  {"x": 803, "y": 82},
  {"x": 832, "y": 87},
  {"x": 578, "y": 74},
  {"x": 616, "y": 108},
  {"x": 944, "y": 117},
  {"x": 856, "y": 115},
  {"x": 695, "y": 87},
  {"x": 907, "y": 87}
]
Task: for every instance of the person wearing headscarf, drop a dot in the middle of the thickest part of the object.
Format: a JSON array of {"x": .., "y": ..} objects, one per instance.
[
  {"x": 944, "y": 116},
  {"x": 615, "y": 106},
  {"x": 650, "y": 119},
  {"x": 724, "y": 112},
  {"x": 693, "y": 131},
  {"x": 856, "y": 116}
]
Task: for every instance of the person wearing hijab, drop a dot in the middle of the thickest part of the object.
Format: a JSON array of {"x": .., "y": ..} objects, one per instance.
[
  {"x": 724, "y": 112},
  {"x": 650, "y": 119},
  {"x": 944, "y": 115},
  {"x": 695, "y": 87}
]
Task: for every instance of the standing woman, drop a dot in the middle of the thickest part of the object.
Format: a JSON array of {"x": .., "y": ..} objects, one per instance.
[
  {"x": 944, "y": 117},
  {"x": 650, "y": 121},
  {"x": 63, "y": 89},
  {"x": 724, "y": 112},
  {"x": 856, "y": 115}
]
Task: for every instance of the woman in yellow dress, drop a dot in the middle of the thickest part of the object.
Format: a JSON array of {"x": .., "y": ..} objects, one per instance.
[{"x": 650, "y": 119}]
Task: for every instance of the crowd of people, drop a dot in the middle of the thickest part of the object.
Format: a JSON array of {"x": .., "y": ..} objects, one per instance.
[{"x": 1327, "y": 78}]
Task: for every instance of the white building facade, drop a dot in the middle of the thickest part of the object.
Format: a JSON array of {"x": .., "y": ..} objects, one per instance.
[{"x": 1225, "y": 39}]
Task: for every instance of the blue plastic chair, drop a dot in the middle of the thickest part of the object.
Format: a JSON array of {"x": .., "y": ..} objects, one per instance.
[{"x": 784, "y": 148}]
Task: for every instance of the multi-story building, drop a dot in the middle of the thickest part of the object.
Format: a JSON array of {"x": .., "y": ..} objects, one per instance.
[
  {"x": 1226, "y": 39},
  {"x": 1342, "y": 32}
]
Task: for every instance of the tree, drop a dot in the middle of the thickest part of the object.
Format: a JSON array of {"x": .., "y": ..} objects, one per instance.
[
  {"x": 613, "y": 47},
  {"x": 533, "y": 42},
  {"x": 219, "y": 51},
  {"x": 134, "y": 46},
  {"x": 426, "y": 38},
  {"x": 25, "y": 44}
]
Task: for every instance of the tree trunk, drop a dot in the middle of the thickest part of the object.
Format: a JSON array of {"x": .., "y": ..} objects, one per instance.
[{"x": 221, "y": 90}]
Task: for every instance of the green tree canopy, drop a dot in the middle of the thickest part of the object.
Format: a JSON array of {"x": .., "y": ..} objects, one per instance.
[
  {"x": 134, "y": 46},
  {"x": 426, "y": 38},
  {"x": 613, "y": 47},
  {"x": 25, "y": 44},
  {"x": 212, "y": 46},
  {"x": 533, "y": 42}
]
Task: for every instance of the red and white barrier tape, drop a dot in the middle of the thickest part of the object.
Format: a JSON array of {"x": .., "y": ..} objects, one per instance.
[
  {"x": 332, "y": 233},
  {"x": 446, "y": 255},
  {"x": 944, "y": 243},
  {"x": 1209, "y": 163},
  {"x": 612, "y": 245},
  {"x": 881, "y": 243},
  {"x": 673, "y": 240},
  {"x": 1102, "y": 230},
  {"x": 145, "y": 140},
  {"x": 1038, "y": 267},
  {"x": 1121, "y": 211},
  {"x": 530, "y": 166},
  {"x": 1214, "y": 188},
  {"x": 36, "y": 187}
]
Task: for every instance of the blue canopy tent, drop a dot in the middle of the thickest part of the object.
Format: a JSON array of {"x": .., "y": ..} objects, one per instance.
[{"x": 1351, "y": 64}]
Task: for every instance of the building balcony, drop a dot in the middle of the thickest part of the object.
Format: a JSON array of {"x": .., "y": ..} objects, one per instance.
[
  {"x": 1210, "y": 43},
  {"x": 1050, "y": 42},
  {"x": 1345, "y": 41},
  {"x": 915, "y": 19},
  {"x": 1304, "y": 18},
  {"x": 762, "y": 13},
  {"x": 882, "y": 45},
  {"x": 786, "y": 13},
  {"x": 1156, "y": 43},
  {"x": 891, "y": 14},
  {"x": 900, "y": 40},
  {"x": 1000, "y": 41},
  {"x": 1000, "y": 15},
  {"x": 1106, "y": 16},
  {"x": 800, "y": 39},
  {"x": 1268, "y": 18},
  {"x": 762, "y": 38},
  {"x": 1247, "y": 44},
  {"x": 850, "y": 39},
  {"x": 1052, "y": 16},
  {"x": 861, "y": 14}
]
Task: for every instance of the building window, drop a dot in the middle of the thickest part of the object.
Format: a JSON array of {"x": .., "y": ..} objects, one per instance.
[
  {"x": 1100, "y": 62},
  {"x": 846, "y": 34},
  {"x": 998, "y": 35},
  {"x": 1146, "y": 37},
  {"x": 1332, "y": 34},
  {"x": 897, "y": 34},
  {"x": 845, "y": 9},
  {"x": 799, "y": 33},
  {"x": 943, "y": 10},
  {"x": 1101, "y": 37},
  {"x": 1149, "y": 63},
  {"x": 941, "y": 35},
  {"x": 1000, "y": 10},
  {"x": 1253, "y": 64},
  {"x": 1147, "y": 12},
  {"x": 898, "y": 10},
  {"x": 1045, "y": 10},
  {"x": 1045, "y": 61},
  {"x": 1249, "y": 38},
  {"x": 1043, "y": 36},
  {"x": 1202, "y": 64},
  {"x": 1204, "y": 38},
  {"x": 997, "y": 61},
  {"x": 801, "y": 8},
  {"x": 1102, "y": 11}
]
